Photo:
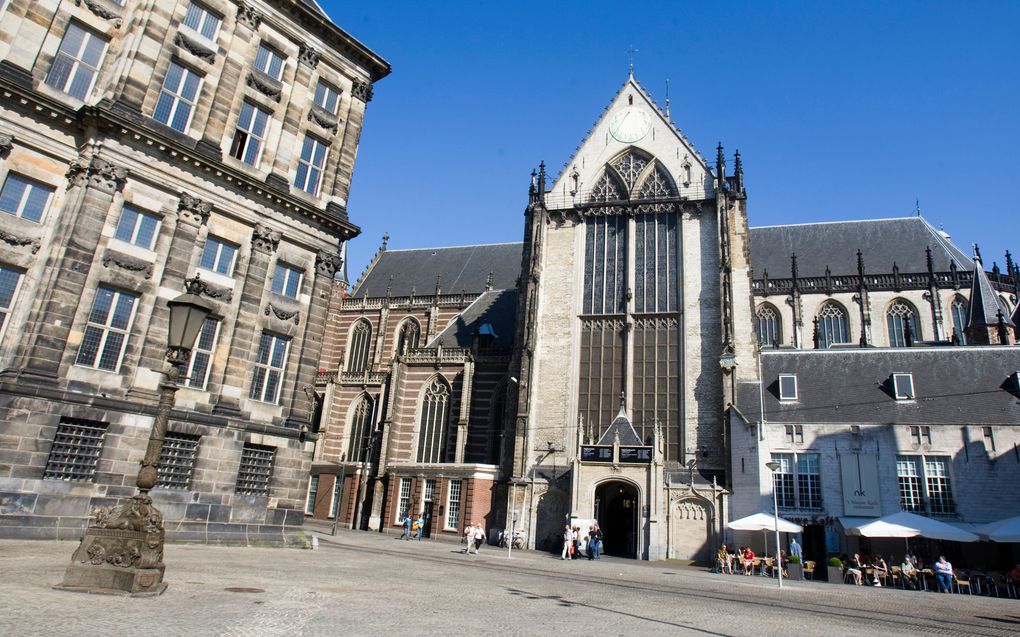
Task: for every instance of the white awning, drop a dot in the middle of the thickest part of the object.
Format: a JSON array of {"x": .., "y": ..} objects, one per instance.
[
  {"x": 904, "y": 524},
  {"x": 1007, "y": 530},
  {"x": 764, "y": 522}
]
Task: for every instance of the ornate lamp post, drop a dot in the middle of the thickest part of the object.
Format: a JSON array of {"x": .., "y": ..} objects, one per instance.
[
  {"x": 122, "y": 551},
  {"x": 773, "y": 467}
]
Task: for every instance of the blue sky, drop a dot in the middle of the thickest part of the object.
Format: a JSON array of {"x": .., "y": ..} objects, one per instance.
[{"x": 840, "y": 110}]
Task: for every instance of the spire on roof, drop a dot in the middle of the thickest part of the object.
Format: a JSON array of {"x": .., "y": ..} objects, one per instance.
[
  {"x": 630, "y": 61},
  {"x": 985, "y": 307},
  {"x": 667, "y": 98}
]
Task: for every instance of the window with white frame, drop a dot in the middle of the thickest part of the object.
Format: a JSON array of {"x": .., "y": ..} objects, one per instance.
[
  {"x": 250, "y": 134},
  {"x": 269, "y": 61},
  {"x": 798, "y": 481},
  {"x": 430, "y": 490},
  {"x": 24, "y": 197},
  {"x": 327, "y": 98},
  {"x": 177, "y": 99},
  {"x": 313, "y": 494},
  {"x": 924, "y": 484},
  {"x": 787, "y": 387},
  {"x": 920, "y": 435},
  {"x": 334, "y": 503},
  {"x": 202, "y": 21},
  {"x": 202, "y": 353},
  {"x": 309, "y": 170},
  {"x": 794, "y": 434},
  {"x": 218, "y": 256},
  {"x": 137, "y": 227},
  {"x": 403, "y": 499},
  {"x": 109, "y": 322},
  {"x": 453, "y": 505},
  {"x": 903, "y": 386},
  {"x": 269, "y": 368},
  {"x": 77, "y": 62},
  {"x": 287, "y": 280},
  {"x": 10, "y": 283}
]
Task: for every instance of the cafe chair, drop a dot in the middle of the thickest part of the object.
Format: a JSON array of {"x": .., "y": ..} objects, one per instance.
[
  {"x": 809, "y": 570},
  {"x": 962, "y": 580},
  {"x": 896, "y": 577}
]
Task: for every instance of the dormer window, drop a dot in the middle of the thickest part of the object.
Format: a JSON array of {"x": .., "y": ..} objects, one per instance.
[
  {"x": 903, "y": 386},
  {"x": 787, "y": 387}
]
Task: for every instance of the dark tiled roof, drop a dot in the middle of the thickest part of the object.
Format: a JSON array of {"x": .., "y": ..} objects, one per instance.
[
  {"x": 985, "y": 304},
  {"x": 498, "y": 308},
  {"x": 621, "y": 425},
  {"x": 954, "y": 385},
  {"x": 462, "y": 269},
  {"x": 881, "y": 242}
]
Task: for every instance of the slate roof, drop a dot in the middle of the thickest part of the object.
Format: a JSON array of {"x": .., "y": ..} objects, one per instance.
[
  {"x": 985, "y": 304},
  {"x": 834, "y": 244},
  {"x": 953, "y": 385},
  {"x": 621, "y": 425},
  {"x": 462, "y": 269},
  {"x": 498, "y": 308}
]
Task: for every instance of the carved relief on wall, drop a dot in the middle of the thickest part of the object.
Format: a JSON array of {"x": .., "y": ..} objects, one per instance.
[
  {"x": 265, "y": 239},
  {"x": 97, "y": 173}
]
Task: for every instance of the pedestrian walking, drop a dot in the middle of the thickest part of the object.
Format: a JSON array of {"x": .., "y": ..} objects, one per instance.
[
  {"x": 479, "y": 536},
  {"x": 417, "y": 527},
  {"x": 596, "y": 539},
  {"x": 406, "y": 534},
  {"x": 568, "y": 542},
  {"x": 469, "y": 540}
]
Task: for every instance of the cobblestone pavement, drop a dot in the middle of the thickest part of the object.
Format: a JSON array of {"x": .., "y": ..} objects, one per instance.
[{"x": 372, "y": 584}]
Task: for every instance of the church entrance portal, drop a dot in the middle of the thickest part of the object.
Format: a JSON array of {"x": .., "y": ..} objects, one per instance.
[{"x": 616, "y": 510}]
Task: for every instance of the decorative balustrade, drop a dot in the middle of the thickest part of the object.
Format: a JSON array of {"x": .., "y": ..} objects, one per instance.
[
  {"x": 895, "y": 281},
  {"x": 437, "y": 356},
  {"x": 362, "y": 378},
  {"x": 422, "y": 300}
]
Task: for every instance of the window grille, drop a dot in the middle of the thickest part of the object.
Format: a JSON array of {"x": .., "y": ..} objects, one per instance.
[
  {"x": 256, "y": 469},
  {"x": 959, "y": 309},
  {"x": 432, "y": 430},
  {"x": 177, "y": 99},
  {"x": 403, "y": 499},
  {"x": 286, "y": 281},
  {"x": 75, "y": 452},
  {"x": 657, "y": 185},
  {"x": 24, "y": 197},
  {"x": 310, "y": 165},
  {"x": 903, "y": 386},
  {"x": 270, "y": 364},
  {"x": 361, "y": 431},
  {"x": 202, "y": 353},
  {"x": 177, "y": 460},
  {"x": 250, "y": 134},
  {"x": 77, "y": 61},
  {"x": 107, "y": 330},
  {"x": 10, "y": 283},
  {"x": 313, "y": 494},
  {"x": 832, "y": 326},
  {"x": 137, "y": 227},
  {"x": 898, "y": 317},
  {"x": 218, "y": 256},
  {"x": 270, "y": 62},
  {"x": 630, "y": 167},
  {"x": 787, "y": 387},
  {"x": 357, "y": 357},
  {"x": 327, "y": 98},
  {"x": 909, "y": 480},
  {"x": 202, "y": 20},
  {"x": 606, "y": 189},
  {"x": 768, "y": 326},
  {"x": 453, "y": 505}
]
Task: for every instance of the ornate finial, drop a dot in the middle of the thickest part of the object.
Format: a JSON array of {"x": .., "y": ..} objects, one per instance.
[
  {"x": 816, "y": 335},
  {"x": 738, "y": 171},
  {"x": 385, "y": 240},
  {"x": 793, "y": 266},
  {"x": 534, "y": 184},
  {"x": 389, "y": 287},
  {"x": 995, "y": 268},
  {"x": 667, "y": 98},
  {"x": 928, "y": 260},
  {"x": 1009, "y": 263},
  {"x": 488, "y": 282},
  {"x": 1000, "y": 325},
  {"x": 623, "y": 400},
  {"x": 977, "y": 252},
  {"x": 439, "y": 287},
  {"x": 917, "y": 206},
  {"x": 630, "y": 61}
]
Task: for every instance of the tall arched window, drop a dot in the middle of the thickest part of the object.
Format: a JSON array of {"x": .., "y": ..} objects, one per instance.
[
  {"x": 958, "y": 308},
  {"x": 832, "y": 325},
  {"x": 897, "y": 317},
  {"x": 361, "y": 430},
  {"x": 407, "y": 337},
  {"x": 768, "y": 325},
  {"x": 357, "y": 357},
  {"x": 435, "y": 407}
]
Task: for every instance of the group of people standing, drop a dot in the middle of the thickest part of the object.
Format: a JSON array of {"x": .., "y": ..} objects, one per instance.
[
  {"x": 412, "y": 528},
  {"x": 577, "y": 543},
  {"x": 474, "y": 537}
]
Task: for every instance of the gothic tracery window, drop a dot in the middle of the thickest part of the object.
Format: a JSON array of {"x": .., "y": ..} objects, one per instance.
[
  {"x": 832, "y": 325},
  {"x": 435, "y": 407},
  {"x": 959, "y": 309},
  {"x": 407, "y": 337},
  {"x": 606, "y": 189},
  {"x": 899, "y": 315},
  {"x": 657, "y": 185},
  {"x": 630, "y": 167},
  {"x": 768, "y": 325},
  {"x": 357, "y": 358},
  {"x": 361, "y": 431}
]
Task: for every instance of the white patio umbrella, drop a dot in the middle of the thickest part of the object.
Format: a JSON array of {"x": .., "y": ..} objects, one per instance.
[
  {"x": 906, "y": 525},
  {"x": 1007, "y": 530},
  {"x": 764, "y": 522}
]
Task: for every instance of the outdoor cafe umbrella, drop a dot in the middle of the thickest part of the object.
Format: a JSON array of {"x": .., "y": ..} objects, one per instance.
[
  {"x": 1007, "y": 530},
  {"x": 906, "y": 525},
  {"x": 764, "y": 522}
]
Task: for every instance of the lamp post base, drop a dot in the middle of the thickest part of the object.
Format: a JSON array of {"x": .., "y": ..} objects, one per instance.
[{"x": 121, "y": 553}]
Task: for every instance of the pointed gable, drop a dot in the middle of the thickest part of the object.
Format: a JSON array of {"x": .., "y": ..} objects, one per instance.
[
  {"x": 622, "y": 427},
  {"x": 985, "y": 305}
]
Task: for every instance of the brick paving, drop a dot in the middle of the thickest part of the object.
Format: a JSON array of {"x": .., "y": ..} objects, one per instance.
[{"x": 372, "y": 584}]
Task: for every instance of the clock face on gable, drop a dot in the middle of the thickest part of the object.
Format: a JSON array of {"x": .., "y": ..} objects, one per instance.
[{"x": 629, "y": 125}]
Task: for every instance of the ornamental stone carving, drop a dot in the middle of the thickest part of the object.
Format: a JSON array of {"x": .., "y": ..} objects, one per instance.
[
  {"x": 327, "y": 263},
  {"x": 265, "y": 239},
  {"x": 17, "y": 241},
  {"x": 282, "y": 314},
  {"x": 6, "y": 144},
  {"x": 248, "y": 16},
  {"x": 199, "y": 287},
  {"x": 362, "y": 91},
  {"x": 264, "y": 84},
  {"x": 125, "y": 262},
  {"x": 96, "y": 173},
  {"x": 308, "y": 55},
  {"x": 193, "y": 47},
  {"x": 192, "y": 209},
  {"x": 102, "y": 10},
  {"x": 324, "y": 118}
]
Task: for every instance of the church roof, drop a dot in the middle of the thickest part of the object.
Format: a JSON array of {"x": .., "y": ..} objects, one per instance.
[
  {"x": 493, "y": 312},
  {"x": 460, "y": 269},
  {"x": 882, "y": 242},
  {"x": 621, "y": 426},
  {"x": 985, "y": 304}
]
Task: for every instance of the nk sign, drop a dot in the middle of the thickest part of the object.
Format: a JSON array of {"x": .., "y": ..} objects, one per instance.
[{"x": 860, "y": 485}]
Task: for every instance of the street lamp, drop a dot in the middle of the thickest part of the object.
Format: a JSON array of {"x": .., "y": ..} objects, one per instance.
[
  {"x": 122, "y": 551},
  {"x": 773, "y": 467}
]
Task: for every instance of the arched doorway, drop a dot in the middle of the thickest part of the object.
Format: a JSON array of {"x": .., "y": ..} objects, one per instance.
[{"x": 616, "y": 510}]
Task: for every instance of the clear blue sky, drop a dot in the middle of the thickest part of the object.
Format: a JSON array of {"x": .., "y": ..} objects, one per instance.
[{"x": 840, "y": 110}]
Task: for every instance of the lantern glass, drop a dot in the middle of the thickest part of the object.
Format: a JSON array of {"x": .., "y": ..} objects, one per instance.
[{"x": 187, "y": 314}]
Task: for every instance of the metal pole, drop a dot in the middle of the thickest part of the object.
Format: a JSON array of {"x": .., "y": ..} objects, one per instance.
[
  {"x": 339, "y": 504},
  {"x": 775, "y": 512},
  {"x": 513, "y": 520},
  {"x": 148, "y": 473}
]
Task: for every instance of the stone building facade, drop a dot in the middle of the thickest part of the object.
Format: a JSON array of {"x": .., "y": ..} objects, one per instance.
[{"x": 146, "y": 145}]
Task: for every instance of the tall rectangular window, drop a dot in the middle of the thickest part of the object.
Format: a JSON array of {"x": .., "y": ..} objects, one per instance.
[
  {"x": 286, "y": 281},
  {"x": 940, "y": 493},
  {"x": 218, "y": 256},
  {"x": 269, "y": 367},
  {"x": 809, "y": 481},
  {"x": 453, "y": 505},
  {"x": 908, "y": 477},
  {"x": 601, "y": 373},
  {"x": 24, "y": 197},
  {"x": 255, "y": 472},
  {"x": 786, "y": 495},
  {"x": 177, "y": 98},
  {"x": 10, "y": 283},
  {"x": 403, "y": 499},
  {"x": 250, "y": 134},
  {"x": 656, "y": 279},
  {"x": 269, "y": 61},
  {"x": 309, "y": 170},
  {"x": 202, "y": 353},
  {"x": 430, "y": 489},
  {"x": 75, "y": 452},
  {"x": 109, "y": 323},
  {"x": 313, "y": 494},
  {"x": 656, "y": 381},
  {"x": 77, "y": 62},
  {"x": 327, "y": 98},
  {"x": 605, "y": 274},
  {"x": 177, "y": 460},
  {"x": 137, "y": 227},
  {"x": 202, "y": 20}
]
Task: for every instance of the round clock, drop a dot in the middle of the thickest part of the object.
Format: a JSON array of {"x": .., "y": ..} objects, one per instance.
[{"x": 629, "y": 125}]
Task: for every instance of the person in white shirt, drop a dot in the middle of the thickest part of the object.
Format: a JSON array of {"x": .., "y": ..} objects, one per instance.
[{"x": 568, "y": 541}]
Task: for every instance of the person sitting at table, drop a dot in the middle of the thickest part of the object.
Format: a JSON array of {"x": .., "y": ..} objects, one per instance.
[
  {"x": 909, "y": 572},
  {"x": 855, "y": 568},
  {"x": 879, "y": 570},
  {"x": 748, "y": 560},
  {"x": 784, "y": 559},
  {"x": 944, "y": 574}
]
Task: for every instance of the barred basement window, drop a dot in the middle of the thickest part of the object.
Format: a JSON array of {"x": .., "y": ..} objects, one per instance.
[
  {"x": 177, "y": 460},
  {"x": 453, "y": 505},
  {"x": 403, "y": 499},
  {"x": 75, "y": 452},
  {"x": 313, "y": 493},
  {"x": 256, "y": 469}
]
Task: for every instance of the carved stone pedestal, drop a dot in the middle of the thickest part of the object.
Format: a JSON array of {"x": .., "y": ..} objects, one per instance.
[{"x": 121, "y": 553}]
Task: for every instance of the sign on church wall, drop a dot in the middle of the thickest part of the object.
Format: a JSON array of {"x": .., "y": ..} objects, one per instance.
[{"x": 860, "y": 484}]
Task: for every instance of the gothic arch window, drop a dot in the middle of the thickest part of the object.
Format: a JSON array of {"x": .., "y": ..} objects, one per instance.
[
  {"x": 607, "y": 189},
  {"x": 630, "y": 167},
  {"x": 357, "y": 352},
  {"x": 768, "y": 325},
  {"x": 407, "y": 336},
  {"x": 360, "y": 430},
  {"x": 832, "y": 325},
  {"x": 899, "y": 315},
  {"x": 657, "y": 185},
  {"x": 435, "y": 409},
  {"x": 959, "y": 309},
  {"x": 498, "y": 406}
]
